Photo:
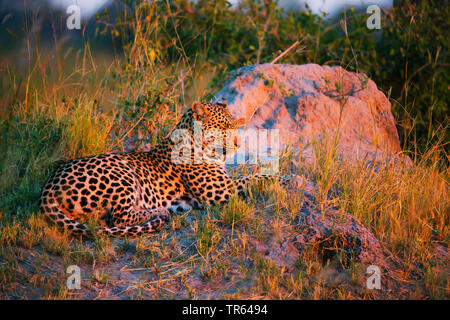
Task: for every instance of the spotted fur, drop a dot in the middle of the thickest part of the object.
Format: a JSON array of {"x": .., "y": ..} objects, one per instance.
[{"x": 134, "y": 193}]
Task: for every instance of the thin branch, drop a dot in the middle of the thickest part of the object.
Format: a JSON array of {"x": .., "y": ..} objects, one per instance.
[
  {"x": 285, "y": 52},
  {"x": 181, "y": 78}
]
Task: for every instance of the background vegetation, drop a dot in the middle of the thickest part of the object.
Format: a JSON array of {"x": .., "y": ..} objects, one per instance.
[{"x": 408, "y": 58}]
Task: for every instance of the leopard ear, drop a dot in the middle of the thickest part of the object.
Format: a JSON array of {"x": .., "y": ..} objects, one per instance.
[
  {"x": 200, "y": 111},
  {"x": 240, "y": 122}
]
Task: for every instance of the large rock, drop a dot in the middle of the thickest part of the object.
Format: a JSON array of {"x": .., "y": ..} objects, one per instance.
[
  {"x": 307, "y": 102},
  {"x": 310, "y": 103}
]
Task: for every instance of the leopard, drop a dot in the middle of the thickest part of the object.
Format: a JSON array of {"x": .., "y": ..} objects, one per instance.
[{"x": 129, "y": 194}]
